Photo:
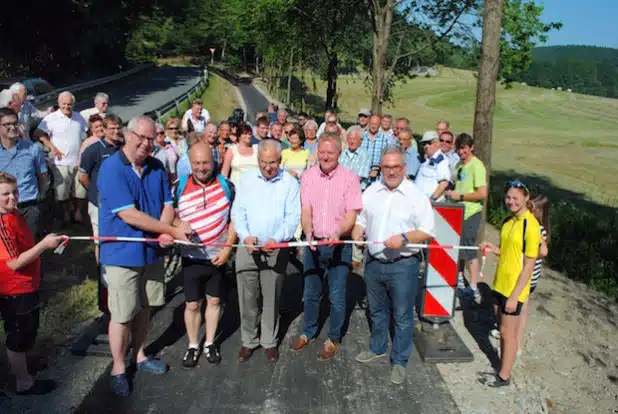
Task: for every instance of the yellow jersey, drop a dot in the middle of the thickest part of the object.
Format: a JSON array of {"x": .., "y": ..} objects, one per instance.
[{"x": 512, "y": 251}]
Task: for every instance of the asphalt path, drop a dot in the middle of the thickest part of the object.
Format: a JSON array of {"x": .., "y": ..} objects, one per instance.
[
  {"x": 254, "y": 100},
  {"x": 148, "y": 91}
]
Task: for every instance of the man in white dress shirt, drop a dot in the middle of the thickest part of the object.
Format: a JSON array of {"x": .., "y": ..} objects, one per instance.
[
  {"x": 395, "y": 212},
  {"x": 62, "y": 132},
  {"x": 435, "y": 174}
]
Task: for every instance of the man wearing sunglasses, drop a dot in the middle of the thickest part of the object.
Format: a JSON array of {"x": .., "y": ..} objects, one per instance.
[
  {"x": 434, "y": 175},
  {"x": 448, "y": 149},
  {"x": 470, "y": 189}
]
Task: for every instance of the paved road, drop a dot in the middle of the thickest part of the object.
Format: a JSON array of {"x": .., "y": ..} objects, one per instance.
[
  {"x": 148, "y": 91},
  {"x": 297, "y": 383},
  {"x": 255, "y": 101}
]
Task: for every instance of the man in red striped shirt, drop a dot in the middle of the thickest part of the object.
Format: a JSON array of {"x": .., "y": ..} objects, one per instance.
[
  {"x": 204, "y": 200},
  {"x": 331, "y": 199}
]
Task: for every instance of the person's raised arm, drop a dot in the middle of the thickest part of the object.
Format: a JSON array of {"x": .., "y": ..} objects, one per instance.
[
  {"x": 227, "y": 163},
  {"x": 51, "y": 241}
]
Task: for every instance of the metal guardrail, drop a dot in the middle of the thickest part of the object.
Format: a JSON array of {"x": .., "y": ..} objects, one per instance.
[
  {"x": 195, "y": 92},
  {"x": 89, "y": 84}
]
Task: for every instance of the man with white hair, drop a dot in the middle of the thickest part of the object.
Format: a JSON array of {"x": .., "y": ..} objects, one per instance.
[
  {"x": 27, "y": 112},
  {"x": 434, "y": 175},
  {"x": 259, "y": 269},
  {"x": 62, "y": 132},
  {"x": 394, "y": 211},
  {"x": 101, "y": 107},
  {"x": 135, "y": 201}
]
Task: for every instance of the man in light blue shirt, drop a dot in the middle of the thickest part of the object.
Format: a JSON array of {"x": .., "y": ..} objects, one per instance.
[
  {"x": 356, "y": 158},
  {"x": 266, "y": 211},
  {"x": 406, "y": 140}
]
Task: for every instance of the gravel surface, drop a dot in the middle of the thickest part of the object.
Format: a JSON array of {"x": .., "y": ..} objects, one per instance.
[{"x": 569, "y": 363}]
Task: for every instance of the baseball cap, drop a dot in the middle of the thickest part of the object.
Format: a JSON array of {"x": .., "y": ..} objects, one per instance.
[
  {"x": 365, "y": 111},
  {"x": 6, "y": 97},
  {"x": 430, "y": 136}
]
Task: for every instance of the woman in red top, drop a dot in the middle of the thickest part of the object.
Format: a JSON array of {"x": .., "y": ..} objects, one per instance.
[{"x": 19, "y": 285}]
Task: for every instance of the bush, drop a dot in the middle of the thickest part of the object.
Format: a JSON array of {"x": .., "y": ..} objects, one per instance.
[{"x": 584, "y": 240}]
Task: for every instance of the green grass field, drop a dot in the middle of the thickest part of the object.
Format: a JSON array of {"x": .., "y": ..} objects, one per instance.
[
  {"x": 220, "y": 98},
  {"x": 566, "y": 138}
]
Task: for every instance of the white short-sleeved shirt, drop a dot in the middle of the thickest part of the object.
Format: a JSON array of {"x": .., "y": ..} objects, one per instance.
[
  {"x": 66, "y": 134},
  {"x": 205, "y": 115},
  {"x": 387, "y": 213},
  {"x": 432, "y": 172}
]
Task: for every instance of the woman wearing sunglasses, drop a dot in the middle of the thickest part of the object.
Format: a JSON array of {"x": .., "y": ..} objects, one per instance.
[{"x": 520, "y": 238}]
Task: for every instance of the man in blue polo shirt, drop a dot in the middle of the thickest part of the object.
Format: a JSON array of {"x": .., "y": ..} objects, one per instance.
[
  {"x": 90, "y": 163},
  {"x": 24, "y": 160},
  {"x": 135, "y": 201}
]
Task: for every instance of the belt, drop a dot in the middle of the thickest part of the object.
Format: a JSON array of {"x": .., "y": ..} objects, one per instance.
[
  {"x": 28, "y": 203},
  {"x": 396, "y": 259}
]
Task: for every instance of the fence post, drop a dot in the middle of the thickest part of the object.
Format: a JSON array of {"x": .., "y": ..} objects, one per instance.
[
  {"x": 177, "y": 106},
  {"x": 158, "y": 115}
]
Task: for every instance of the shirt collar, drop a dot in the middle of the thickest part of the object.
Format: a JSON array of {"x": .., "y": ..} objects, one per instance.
[
  {"x": 436, "y": 155},
  {"x": 401, "y": 188},
  {"x": 331, "y": 174},
  {"x": 18, "y": 146},
  {"x": 351, "y": 153},
  {"x": 126, "y": 161},
  {"x": 276, "y": 178}
]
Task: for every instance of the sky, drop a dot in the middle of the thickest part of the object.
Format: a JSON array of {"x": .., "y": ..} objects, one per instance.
[{"x": 590, "y": 22}]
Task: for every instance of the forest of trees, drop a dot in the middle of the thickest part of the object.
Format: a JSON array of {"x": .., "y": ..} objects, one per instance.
[
  {"x": 69, "y": 40},
  {"x": 584, "y": 69}
]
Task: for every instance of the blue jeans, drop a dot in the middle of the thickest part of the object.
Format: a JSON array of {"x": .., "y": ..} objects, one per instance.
[
  {"x": 391, "y": 287},
  {"x": 333, "y": 262}
]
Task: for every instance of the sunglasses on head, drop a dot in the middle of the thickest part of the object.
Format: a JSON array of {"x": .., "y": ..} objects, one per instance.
[{"x": 516, "y": 184}]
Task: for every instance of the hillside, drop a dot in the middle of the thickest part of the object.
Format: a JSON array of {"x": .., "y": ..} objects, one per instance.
[
  {"x": 567, "y": 137},
  {"x": 588, "y": 53},
  {"x": 585, "y": 69}
]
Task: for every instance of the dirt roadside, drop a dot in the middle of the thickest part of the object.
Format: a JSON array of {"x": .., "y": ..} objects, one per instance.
[{"x": 569, "y": 363}]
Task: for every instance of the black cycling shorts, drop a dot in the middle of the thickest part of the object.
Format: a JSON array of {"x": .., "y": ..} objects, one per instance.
[{"x": 201, "y": 278}]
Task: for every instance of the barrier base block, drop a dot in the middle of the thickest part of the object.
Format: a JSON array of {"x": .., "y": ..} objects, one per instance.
[
  {"x": 440, "y": 343},
  {"x": 93, "y": 341}
]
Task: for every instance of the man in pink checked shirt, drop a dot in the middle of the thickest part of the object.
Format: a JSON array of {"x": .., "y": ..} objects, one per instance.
[{"x": 330, "y": 198}]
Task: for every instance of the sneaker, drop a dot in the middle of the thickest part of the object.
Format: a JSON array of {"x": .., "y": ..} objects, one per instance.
[
  {"x": 153, "y": 366},
  {"x": 367, "y": 356},
  {"x": 212, "y": 354},
  {"x": 495, "y": 333},
  {"x": 398, "y": 374},
  {"x": 190, "y": 358},
  {"x": 497, "y": 382},
  {"x": 119, "y": 384}
]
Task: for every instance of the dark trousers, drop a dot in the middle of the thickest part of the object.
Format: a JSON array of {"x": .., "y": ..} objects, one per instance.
[
  {"x": 391, "y": 290},
  {"x": 32, "y": 214},
  {"x": 326, "y": 261}
]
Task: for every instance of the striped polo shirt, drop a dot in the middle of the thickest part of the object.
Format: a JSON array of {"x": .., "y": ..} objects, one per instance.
[
  {"x": 330, "y": 196},
  {"x": 207, "y": 210}
]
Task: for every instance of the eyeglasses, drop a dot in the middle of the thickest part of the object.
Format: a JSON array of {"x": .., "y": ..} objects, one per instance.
[
  {"x": 143, "y": 137},
  {"x": 172, "y": 129},
  {"x": 10, "y": 124},
  {"x": 516, "y": 184},
  {"x": 161, "y": 133},
  {"x": 393, "y": 168},
  {"x": 446, "y": 140}
]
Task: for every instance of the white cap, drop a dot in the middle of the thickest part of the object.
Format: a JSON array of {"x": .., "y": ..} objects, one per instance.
[
  {"x": 6, "y": 97},
  {"x": 430, "y": 136}
]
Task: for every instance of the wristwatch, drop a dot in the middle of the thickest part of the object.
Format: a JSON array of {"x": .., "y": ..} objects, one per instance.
[{"x": 461, "y": 197}]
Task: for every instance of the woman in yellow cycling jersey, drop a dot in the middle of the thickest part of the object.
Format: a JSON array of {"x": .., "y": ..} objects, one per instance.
[{"x": 520, "y": 237}]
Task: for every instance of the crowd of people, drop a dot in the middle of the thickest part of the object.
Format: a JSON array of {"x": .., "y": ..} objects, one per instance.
[{"x": 277, "y": 179}]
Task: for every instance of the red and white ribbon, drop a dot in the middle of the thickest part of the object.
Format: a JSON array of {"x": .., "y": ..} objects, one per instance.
[{"x": 283, "y": 245}]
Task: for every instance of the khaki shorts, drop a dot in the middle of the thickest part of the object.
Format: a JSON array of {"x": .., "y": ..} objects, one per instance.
[
  {"x": 93, "y": 212},
  {"x": 64, "y": 181},
  {"x": 130, "y": 289}
]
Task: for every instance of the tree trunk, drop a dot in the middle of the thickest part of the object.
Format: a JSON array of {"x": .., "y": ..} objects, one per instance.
[
  {"x": 278, "y": 82},
  {"x": 331, "y": 87},
  {"x": 290, "y": 70},
  {"x": 257, "y": 64},
  {"x": 244, "y": 58},
  {"x": 301, "y": 69},
  {"x": 489, "y": 66},
  {"x": 223, "y": 49},
  {"x": 383, "y": 15}
]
